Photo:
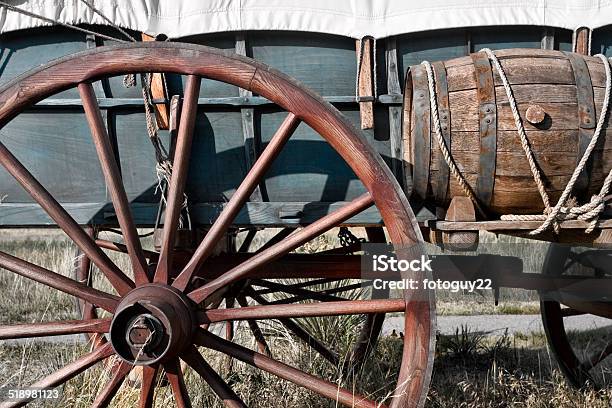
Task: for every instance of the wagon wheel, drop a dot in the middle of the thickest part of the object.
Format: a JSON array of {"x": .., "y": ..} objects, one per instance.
[
  {"x": 156, "y": 321},
  {"x": 266, "y": 292},
  {"x": 578, "y": 366}
]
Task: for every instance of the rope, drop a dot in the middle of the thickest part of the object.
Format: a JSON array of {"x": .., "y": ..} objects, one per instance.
[
  {"x": 535, "y": 171},
  {"x": 591, "y": 210},
  {"x": 108, "y": 20},
  {"x": 433, "y": 101},
  {"x": 163, "y": 166}
]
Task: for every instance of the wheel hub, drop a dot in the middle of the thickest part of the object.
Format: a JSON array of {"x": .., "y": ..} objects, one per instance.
[{"x": 154, "y": 322}]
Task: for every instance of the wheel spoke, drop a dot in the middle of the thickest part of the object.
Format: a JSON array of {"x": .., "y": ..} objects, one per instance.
[
  {"x": 365, "y": 343},
  {"x": 180, "y": 167},
  {"x": 121, "y": 370},
  {"x": 118, "y": 279},
  {"x": 229, "y": 334},
  {"x": 114, "y": 182},
  {"x": 195, "y": 360},
  {"x": 348, "y": 307},
  {"x": 177, "y": 382},
  {"x": 597, "y": 358},
  {"x": 117, "y": 247},
  {"x": 568, "y": 312},
  {"x": 281, "y": 235},
  {"x": 260, "y": 340},
  {"x": 238, "y": 199},
  {"x": 60, "y": 328},
  {"x": 147, "y": 387},
  {"x": 248, "y": 240},
  {"x": 66, "y": 373},
  {"x": 301, "y": 333},
  {"x": 292, "y": 242},
  {"x": 312, "y": 282},
  {"x": 55, "y": 280},
  {"x": 303, "y": 293},
  {"x": 282, "y": 370}
]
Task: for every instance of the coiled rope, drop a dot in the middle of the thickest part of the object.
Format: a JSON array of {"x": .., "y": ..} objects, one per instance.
[{"x": 552, "y": 215}]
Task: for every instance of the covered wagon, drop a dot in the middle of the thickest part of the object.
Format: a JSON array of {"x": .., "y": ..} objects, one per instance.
[{"x": 224, "y": 122}]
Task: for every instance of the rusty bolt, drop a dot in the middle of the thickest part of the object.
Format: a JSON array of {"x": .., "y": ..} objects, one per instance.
[
  {"x": 144, "y": 331},
  {"x": 535, "y": 114},
  {"x": 140, "y": 331}
]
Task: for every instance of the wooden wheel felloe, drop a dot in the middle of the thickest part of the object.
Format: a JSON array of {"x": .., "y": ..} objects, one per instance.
[
  {"x": 580, "y": 367},
  {"x": 160, "y": 316}
]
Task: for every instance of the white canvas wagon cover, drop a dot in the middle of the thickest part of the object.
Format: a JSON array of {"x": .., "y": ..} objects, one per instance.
[{"x": 353, "y": 18}]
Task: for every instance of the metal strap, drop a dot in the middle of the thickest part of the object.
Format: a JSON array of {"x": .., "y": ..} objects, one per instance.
[
  {"x": 421, "y": 134},
  {"x": 586, "y": 119},
  {"x": 487, "y": 117},
  {"x": 445, "y": 123}
]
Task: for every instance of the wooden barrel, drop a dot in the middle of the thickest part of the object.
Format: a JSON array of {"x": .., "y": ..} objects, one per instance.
[{"x": 559, "y": 96}]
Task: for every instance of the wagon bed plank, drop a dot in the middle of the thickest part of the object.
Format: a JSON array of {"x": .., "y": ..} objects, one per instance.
[{"x": 500, "y": 225}]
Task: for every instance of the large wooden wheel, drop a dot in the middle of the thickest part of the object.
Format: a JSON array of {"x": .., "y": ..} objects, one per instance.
[
  {"x": 578, "y": 364},
  {"x": 160, "y": 316}
]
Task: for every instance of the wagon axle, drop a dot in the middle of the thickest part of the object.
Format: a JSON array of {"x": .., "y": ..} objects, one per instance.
[{"x": 151, "y": 324}]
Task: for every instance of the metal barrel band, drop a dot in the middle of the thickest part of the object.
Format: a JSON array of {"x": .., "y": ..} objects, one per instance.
[
  {"x": 422, "y": 132},
  {"x": 487, "y": 116},
  {"x": 586, "y": 117},
  {"x": 441, "y": 191}
]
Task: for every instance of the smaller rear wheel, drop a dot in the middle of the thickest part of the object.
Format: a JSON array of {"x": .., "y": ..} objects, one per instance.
[{"x": 583, "y": 358}]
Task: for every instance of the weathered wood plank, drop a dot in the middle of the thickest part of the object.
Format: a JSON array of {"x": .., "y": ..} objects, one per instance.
[
  {"x": 158, "y": 92},
  {"x": 252, "y": 214},
  {"x": 365, "y": 84},
  {"x": 533, "y": 93},
  {"x": 395, "y": 112},
  {"x": 548, "y": 39},
  {"x": 581, "y": 41},
  {"x": 515, "y": 163},
  {"x": 509, "y": 225},
  {"x": 560, "y": 116},
  {"x": 543, "y": 141},
  {"x": 231, "y": 101},
  {"x": 518, "y": 71},
  {"x": 509, "y": 184}
]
